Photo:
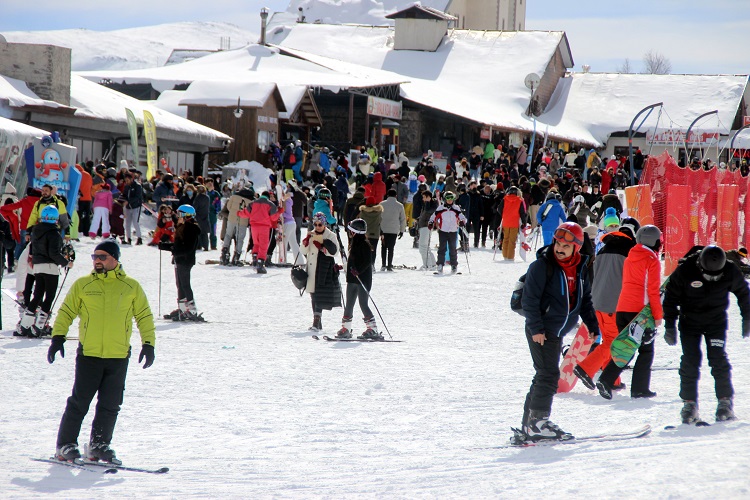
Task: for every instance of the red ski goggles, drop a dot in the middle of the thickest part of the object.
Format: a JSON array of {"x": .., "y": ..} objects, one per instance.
[{"x": 565, "y": 236}]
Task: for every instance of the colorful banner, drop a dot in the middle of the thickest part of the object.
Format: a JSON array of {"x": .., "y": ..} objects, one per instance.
[
  {"x": 677, "y": 237},
  {"x": 53, "y": 163},
  {"x": 152, "y": 153},
  {"x": 726, "y": 216},
  {"x": 133, "y": 129},
  {"x": 638, "y": 201}
]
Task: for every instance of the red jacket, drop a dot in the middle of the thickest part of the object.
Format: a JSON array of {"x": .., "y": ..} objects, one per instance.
[
  {"x": 27, "y": 206},
  {"x": 641, "y": 278},
  {"x": 261, "y": 212},
  {"x": 512, "y": 210},
  {"x": 378, "y": 187}
]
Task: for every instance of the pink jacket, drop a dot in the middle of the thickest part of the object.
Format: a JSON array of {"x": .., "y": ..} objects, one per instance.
[{"x": 103, "y": 198}]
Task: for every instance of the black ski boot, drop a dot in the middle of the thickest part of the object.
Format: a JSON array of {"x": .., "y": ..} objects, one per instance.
[
  {"x": 102, "y": 452},
  {"x": 224, "y": 259},
  {"x": 68, "y": 452},
  {"x": 236, "y": 260},
  {"x": 261, "y": 268},
  {"x": 583, "y": 377},
  {"x": 255, "y": 260},
  {"x": 346, "y": 328},
  {"x": 317, "y": 324},
  {"x": 689, "y": 412},
  {"x": 540, "y": 427},
  {"x": 725, "y": 410},
  {"x": 372, "y": 330},
  {"x": 174, "y": 314}
]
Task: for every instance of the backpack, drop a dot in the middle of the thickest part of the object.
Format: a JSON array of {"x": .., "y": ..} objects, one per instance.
[
  {"x": 546, "y": 212},
  {"x": 516, "y": 298},
  {"x": 292, "y": 158}
]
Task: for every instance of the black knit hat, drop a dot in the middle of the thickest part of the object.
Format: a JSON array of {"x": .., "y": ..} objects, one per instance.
[{"x": 110, "y": 247}]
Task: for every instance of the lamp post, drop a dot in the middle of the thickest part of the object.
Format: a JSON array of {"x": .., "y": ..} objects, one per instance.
[
  {"x": 237, "y": 114},
  {"x": 263, "y": 23}
]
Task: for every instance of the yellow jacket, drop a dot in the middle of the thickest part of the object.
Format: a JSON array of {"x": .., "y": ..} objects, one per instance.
[
  {"x": 106, "y": 304},
  {"x": 37, "y": 211}
]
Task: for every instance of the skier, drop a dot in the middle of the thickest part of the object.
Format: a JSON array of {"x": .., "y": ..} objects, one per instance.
[
  {"x": 555, "y": 293},
  {"x": 372, "y": 213},
  {"x": 164, "y": 226},
  {"x": 47, "y": 254},
  {"x": 698, "y": 293},
  {"x": 428, "y": 207},
  {"x": 262, "y": 214},
  {"x": 236, "y": 225},
  {"x": 514, "y": 216},
  {"x": 319, "y": 246},
  {"x": 186, "y": 241},
  {"x": 106, "y": 301},
  {"x": 640, "y": 287},
  {"x": 605, "y": 292},
  {"x": 133, "y": 195},
  {"x": 358, "y": 282},
  {"x": 447, "y": 218}
]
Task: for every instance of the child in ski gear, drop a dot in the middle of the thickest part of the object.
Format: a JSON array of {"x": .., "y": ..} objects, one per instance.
[
  {"x": 186, "y": 241},
  {"x": 641, "y": 274},
  {"x": 164, "y": 226},
  {"x": 106, "y": 301},
  {"x": 103, "y": 202},
  {"x": 610, "y": 223},
  {"x": 47, "y": 254},
  {"x": 324, "y": 204},
  {"x": 319, "y": 246},
  {"x": 698, "y": 294},
  {"x": 358, "y": 282},
  {"x": 552, "y": 304},
  {"x": 550, "y": 215},
  {"x": 447, "y": 218},
  {"x": 428, "y": 207},
  {"x": 514, "y": 216},
  {"x": 263, "y": 214},
  {"x": 605, "y": 292}
]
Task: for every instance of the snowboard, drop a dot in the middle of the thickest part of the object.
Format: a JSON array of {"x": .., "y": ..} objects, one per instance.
[
  {"x": 523, "y": 244},
  {"x": 579, "y": 349},
  {"x": 629, "y": 339}
]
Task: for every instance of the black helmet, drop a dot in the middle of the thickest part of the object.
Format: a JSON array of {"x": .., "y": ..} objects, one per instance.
[
  {"x": 299, "y": 277},
  {"x": 324, "y": 194},
  {"x": 357, "y": 226},
  {"x": 712, "y": 259},
  {"x": 630, "y": 225},
  {"x": 649, "y": 236}
]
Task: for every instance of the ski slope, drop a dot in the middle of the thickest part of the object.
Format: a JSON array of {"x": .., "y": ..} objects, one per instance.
[{"x": 249, "y": 406}]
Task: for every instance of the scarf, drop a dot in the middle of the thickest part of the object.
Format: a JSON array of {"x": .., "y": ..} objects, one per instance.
[{"x": 569, "y": 266}]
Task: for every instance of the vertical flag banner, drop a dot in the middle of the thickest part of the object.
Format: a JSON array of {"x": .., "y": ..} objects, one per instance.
[
  {"x": 133, "y": 129},
  {"x": 727, "y": 230},
  {"x": 149, "y": 130},
  {"x": 678, "y": 238}
]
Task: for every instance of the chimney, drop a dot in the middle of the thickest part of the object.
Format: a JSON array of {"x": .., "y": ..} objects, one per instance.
[{"x": 263, "y": 23}]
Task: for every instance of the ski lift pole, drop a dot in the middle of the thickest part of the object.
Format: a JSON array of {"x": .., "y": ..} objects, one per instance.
[
  {"x": 632, "y": 132},
  {"x": 687, "y": 134}
]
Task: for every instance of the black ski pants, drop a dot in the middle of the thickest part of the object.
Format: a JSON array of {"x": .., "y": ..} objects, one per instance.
[
  {"x": 374, "y": 253},
  {"x": 105, "y": 376},
  {"x": 476, "y": 227},
  {"x": 546, "y": 359},
  {"x": 356, "y": 291},
  {"x": 690, "y": 365},
  {"x": 641, "y": 381},
  {"x": 386, "y": 251},
  {"x": 45, "y": 286},
  {"x": 182, "y": 278},
  {"x": 84, "y": 216},
  {"x": 447, "y": 245},
  {"x": 484, "y": 226}
]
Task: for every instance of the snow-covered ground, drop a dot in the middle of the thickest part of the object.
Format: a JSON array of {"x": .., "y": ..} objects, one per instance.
[{"x": 249, "y": 406}]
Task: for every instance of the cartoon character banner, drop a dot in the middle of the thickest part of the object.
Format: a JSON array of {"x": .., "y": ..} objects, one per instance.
[{"x": 50, "y": 162}]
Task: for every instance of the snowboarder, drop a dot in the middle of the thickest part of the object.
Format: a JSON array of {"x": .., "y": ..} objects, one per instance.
[
  {"x": 698, "y": 293},
  {"x": 319, "y": 246},
  {"x": 358, "y": 282},
  {"x": 447, "y": 218},
  {"x": 641, "y": 274},
  {"x": 186, "y": 241},
  {"x": 555, "y": 293},
  {"x": 106, "y": 301}
]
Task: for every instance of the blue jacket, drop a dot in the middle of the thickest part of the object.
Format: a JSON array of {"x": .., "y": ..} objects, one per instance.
[
  {"x": 324, "y": 162},
  {"x": 545, "y": 301},
  {"x": 555, "y": 216},
  {"x": 323, "y": 206}
]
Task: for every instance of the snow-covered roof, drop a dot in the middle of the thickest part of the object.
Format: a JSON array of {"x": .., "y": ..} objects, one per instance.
[
  {"x": 18, "y": 95},
  {"x": 370, "y": 12},
  {"x": 422, "y": 12},
  {"x": 98, "y": 102},
  {"x": 253, "y": 63},
  {"x": 588, "y": 107},
  {"x": 225, "y": 94},
  {"x": 478, "y": 75},
  {"x": 14, "y": 128}
]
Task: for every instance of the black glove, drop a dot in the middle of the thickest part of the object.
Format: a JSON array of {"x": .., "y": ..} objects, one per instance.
[
  {"x": 745, "y": 328},
  {"x": 55, "y": 347},
  {"x": 400, "y": 235},
  {"x": 670, "y": 335},
  {"x": 166, "y": 246},
  {"x": 147, "y": 351}
]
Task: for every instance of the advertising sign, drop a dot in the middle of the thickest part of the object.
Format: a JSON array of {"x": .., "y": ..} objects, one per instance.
[
  {"x": 53, "y": 163},
  {"x": 383, "y": 107}
]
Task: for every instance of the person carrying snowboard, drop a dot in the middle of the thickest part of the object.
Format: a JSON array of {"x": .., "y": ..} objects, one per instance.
[
  {"x": 186, "y": 241},
  {"x": 641, "y": 274},
  {"x": 447, "y": 218},
  {"x": 358, "y": 282},
  {"x": 698, "y": 294},
  {"x": 556, "y": 292}
]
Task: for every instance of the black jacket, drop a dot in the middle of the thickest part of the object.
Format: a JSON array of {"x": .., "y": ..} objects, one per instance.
[
  {"x": 46, "y": 245},
  {"x": 701, "y": 304},
  {"x": 186, "y": 240},
  {"x": 360, "y": 259},
  {"x": 545, "y": 301},
  {"x": 134, "y": 195}
]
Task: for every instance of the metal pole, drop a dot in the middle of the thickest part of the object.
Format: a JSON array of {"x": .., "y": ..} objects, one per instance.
[
  {"x": 731, "y": 144},
  {"x": 687, "y": 134},
  {"x": 631, "y": 132}
]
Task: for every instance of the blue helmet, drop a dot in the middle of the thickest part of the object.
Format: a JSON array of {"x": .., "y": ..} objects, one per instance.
[
  {"x": 186, "y": 211},
  {"x": 49, "y": 214}
]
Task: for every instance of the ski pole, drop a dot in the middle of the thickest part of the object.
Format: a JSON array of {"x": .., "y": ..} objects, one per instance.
[
  {"x": 159, "y": 316},
  {"x": 375, "y": 305},
  {"x": 468, "y": 249},
  {"x": 52, "y": 308}
]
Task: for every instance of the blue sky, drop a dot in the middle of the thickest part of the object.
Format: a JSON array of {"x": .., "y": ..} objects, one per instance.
[{"x": 696, "y": 36}]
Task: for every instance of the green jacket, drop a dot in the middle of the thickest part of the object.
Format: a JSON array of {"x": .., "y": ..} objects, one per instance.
[{"x": 106, "y": 304}]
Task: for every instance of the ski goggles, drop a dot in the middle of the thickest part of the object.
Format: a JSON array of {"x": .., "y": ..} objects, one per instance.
[
  {"x": 449, "y": 196},
  {"x": 565, "y": 236}
]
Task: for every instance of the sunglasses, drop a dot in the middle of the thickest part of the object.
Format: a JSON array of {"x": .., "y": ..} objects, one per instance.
[
  {"x": 318, "y": 224},
  {"x": 565, "y": 236},
  {"x": 98, "y": 256}
]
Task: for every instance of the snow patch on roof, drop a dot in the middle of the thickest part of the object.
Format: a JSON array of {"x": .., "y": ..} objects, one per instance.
[{"x": 19, "y": 94}]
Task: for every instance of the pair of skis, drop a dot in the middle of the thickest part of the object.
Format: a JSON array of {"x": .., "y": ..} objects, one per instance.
[
  {"x": 334, "y": 339},
  {"x": 102, "y": 467}
]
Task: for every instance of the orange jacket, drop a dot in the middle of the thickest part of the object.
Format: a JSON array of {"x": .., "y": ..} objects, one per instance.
[
  {"x": 512, "y": 211},
  {"x": 641, "y": 276},
  {"x": 86, "y": 183}
]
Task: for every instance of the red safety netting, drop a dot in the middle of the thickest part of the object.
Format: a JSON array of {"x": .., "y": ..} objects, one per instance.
[{"x": 696, "y": 207}]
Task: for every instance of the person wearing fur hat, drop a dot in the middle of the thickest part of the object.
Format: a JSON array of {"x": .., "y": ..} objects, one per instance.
[
  {"x": 358, "y": 283},
  {"x": 320, "y": 247},
  {"x": 372, "y": 213}
]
